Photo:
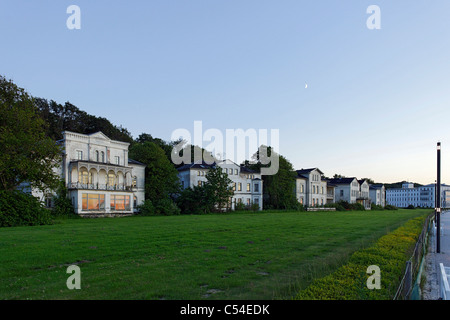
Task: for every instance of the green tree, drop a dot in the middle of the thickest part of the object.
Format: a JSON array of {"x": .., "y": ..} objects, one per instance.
[
  {"x": 278, "y": 188},
  {"x": 27, "y": 155},
  {"x": 218, "y": 188},
  {"x": 161, "y": 177}
]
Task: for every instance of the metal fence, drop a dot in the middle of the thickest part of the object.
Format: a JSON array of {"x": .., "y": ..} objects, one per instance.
[{"x": 413, "y": 265}]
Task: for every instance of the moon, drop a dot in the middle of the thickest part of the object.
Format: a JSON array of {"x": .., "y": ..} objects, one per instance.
[{"x": 306, "y": 85}]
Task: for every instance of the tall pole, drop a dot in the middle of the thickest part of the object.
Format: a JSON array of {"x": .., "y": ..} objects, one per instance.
[{"x": 438, "y": 200}]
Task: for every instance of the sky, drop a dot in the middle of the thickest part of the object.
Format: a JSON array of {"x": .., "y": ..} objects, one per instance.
[{"x": 350, "y": 100}]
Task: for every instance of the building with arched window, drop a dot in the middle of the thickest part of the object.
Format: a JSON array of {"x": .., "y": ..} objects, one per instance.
[{"x": 100, "y": 178}]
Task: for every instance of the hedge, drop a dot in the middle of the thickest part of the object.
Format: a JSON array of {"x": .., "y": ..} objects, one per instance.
[{"x": 349, "y": 282}]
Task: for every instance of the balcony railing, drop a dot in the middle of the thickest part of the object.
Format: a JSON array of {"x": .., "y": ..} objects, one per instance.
[{"x": 97, "y": 186}]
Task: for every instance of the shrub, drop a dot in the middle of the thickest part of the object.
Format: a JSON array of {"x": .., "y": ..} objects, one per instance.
[
  {"x": 390, "y": 207},
  {"x": 166, "y": 207},
  {"x": 390, "y": 254},
  {"x": 62, "y": 205},
  {"x": 376, "y": 207},
  {"x": 239, "y": 206},
  {"x": 146, "y": 208},
  {"x": 21, "y": 209}
]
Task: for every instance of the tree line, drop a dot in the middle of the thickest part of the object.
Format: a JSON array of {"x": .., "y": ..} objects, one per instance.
[{"x": 30, "y": 126}]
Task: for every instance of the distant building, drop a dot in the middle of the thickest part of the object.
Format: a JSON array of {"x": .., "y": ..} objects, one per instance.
[
  {"x": 247, "y": 184},
  {"x": 423, "y": 196},
  {"x": 363, "y": 197},
  {"x": 311, "y": 187},
  {"x": 347, "y": 189},
  {"x": 377, "y": 194}
]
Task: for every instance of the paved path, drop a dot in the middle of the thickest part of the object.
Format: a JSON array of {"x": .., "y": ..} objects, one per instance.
[{"x": 430, "y": 289}]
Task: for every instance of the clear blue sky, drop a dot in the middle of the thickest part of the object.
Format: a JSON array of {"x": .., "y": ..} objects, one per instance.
[{"x": 376, "y": 104}]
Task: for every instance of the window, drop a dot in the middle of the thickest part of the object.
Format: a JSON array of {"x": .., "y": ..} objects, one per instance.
[
  {"x": 230, "y": 171},
  {"x": 103, "y": 156},
  {"x": 79, "y": 155},
  {"x": 199, "y": 183},
  {"x": 301, "y": 200},
  {"x": 239, "y": 186},
  {"x": 120, "y": 202},
  {"x": 341, "y": 193},
  {"x": 235, "y": 171},
  {"x": 248, "y": 187},
  {"x": 117, "y": 159},
  {"x": 134, "y": 202},
  {"x": 92, "y": 201},
  {"x": 256, "y": 187},
  {"x": 111, "y": 179},
  {"x": 134, "y": 182},
  {"x": 248, "y": 201},
  {"x": 48, "y": 201},
  {"x": 199, "y": 173},
  {"x": 234, "y": 186},
  {"x": 97, "y": 156},
  {"x": 83, "y": 176}
]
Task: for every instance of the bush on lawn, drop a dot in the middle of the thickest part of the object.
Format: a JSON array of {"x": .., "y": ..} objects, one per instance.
[{"x": 21, "y": 209}]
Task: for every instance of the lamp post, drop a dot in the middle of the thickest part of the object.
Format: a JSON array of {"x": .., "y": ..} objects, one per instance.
[{"x": 438, "y": 200}]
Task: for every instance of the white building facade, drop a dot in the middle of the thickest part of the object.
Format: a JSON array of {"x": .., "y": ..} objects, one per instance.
[
  {"x": 423, "y": 196},
  {"x": 377, "y": 194},
  {"x": 247, "y": 184},
  {"x": 311, "y": 187},
  {"x": 347, "y": 189},
  {"x": 100, "y": 178}
]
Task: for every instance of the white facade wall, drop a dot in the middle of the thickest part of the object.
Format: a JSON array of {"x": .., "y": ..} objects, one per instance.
[
  {"x": 378, "y": 195},
  {"x": 300, "y": 190},
  {"x": 347, "y": 192},
  {"x": 100, "y": 178},
  {"x": 423, "y": 196},
  {"x": 248, "y": 186}
]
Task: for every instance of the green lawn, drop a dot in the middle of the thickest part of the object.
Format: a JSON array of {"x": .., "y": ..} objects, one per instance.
[{"x": 269, "y": 255}]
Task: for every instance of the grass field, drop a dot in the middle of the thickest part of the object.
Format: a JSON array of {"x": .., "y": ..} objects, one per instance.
[{"x": 269, "y": 255}]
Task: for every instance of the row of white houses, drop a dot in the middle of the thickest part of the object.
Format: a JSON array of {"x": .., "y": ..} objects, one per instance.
[
  {"x": 102, "y": 180},
  {"x": 313, "y": 190}
]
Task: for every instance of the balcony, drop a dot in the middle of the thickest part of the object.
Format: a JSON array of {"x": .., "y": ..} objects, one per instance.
[{"x": 96, "y": 186}]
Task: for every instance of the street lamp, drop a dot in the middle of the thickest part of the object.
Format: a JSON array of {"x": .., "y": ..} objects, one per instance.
[{"x": 438, "y": 200}]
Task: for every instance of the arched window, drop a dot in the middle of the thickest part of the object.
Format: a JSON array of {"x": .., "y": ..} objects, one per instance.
[
  {"x": 83, "y": 176},
  {"x": 103, "y": 156},
  {"x": 111, "y": 178},
  {"x": 97, "y": 156}
]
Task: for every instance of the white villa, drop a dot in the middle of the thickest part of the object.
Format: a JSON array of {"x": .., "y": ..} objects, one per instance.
[
  {"x": 347, "y": 189},
  {"x": 311, "y": 187},
  {"x": 377, "y": 194},
  {"x": 100, "y": 178},
  {"x": 247, "y": 184}
]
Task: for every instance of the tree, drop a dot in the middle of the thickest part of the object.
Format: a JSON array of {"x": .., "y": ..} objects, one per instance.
[
  {"x": 218, "y": 188},
  {"x": 278, "y": 188},
  {"x": 27, "y": 154},
  {"x": 161, "y": 177}
]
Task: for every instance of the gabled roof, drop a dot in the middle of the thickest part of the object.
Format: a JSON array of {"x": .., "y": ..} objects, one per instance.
[
  {"x": 338, "y": 181},
  {"x": 131, "y": 161},
  {"x": 376, "y": 186},
  {"x": 306, "y": 171},
  {"x": 361, "y": 181},
  {"x": 196, "y": 165}
]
